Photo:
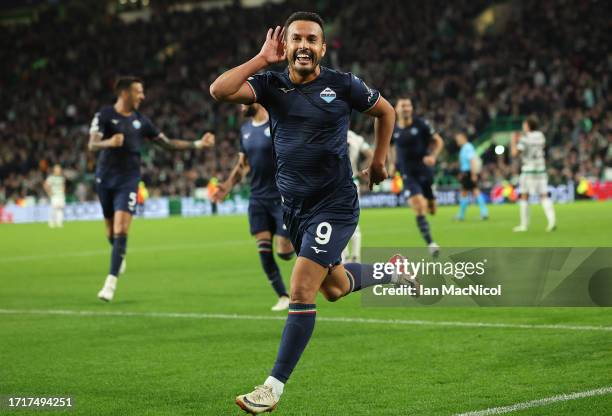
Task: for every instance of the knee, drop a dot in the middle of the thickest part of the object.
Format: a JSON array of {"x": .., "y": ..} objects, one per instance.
[
  {"x": 286, "y": 255},
  {"x": 120, "y": 229},
  {"x": 301, "y": 294}
]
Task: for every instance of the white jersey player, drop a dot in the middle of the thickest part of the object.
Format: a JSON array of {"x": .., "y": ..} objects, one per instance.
[
  {"x": 55, "y": 187},
  {"x": 534, "y": 179},
  {"x": 357, "y": 146}
]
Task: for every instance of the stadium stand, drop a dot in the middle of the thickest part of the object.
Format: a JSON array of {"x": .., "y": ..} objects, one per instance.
[{"x": 542, "y": 60}]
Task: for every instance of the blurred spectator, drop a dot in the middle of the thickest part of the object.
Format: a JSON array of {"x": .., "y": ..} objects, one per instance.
[{"x": 545, "y": 60}]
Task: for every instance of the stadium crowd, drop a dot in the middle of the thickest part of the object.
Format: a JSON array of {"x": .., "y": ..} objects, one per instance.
[{"x": 544, "y": 60}]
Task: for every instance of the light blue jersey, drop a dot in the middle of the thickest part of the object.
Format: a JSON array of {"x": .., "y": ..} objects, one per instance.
[{"x": 466, "y": 154}]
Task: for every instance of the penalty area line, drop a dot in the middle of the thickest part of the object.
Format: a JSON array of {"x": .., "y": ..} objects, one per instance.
[
  {"x": 350, "y": 320},
  {"x": 538, "y": 403}
]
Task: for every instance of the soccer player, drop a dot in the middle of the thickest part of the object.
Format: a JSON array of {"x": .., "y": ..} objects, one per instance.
[
  {"x": 265, "y": 213},
  {"x": 415, "y": 148},
  {"x": 118, "y": 132},
  {"x": 469, "y": 169},
  {"x": 55, "y": 187},
  {"x": 533, "y": 179},
  {"x": 310, "y": 107},
  {"x": 357, "y": 146}
]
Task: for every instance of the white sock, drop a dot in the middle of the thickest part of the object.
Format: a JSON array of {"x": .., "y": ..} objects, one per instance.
[
  {"x": 277, "y": 386},
  {"x": 524, "y": 213},
  {"x": 356, "y": 244},
  {"x": 549, "y": 211},
  {"x": 59, "y": 217}
]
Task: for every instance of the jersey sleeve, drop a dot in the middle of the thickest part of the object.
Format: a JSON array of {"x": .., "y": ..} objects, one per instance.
[
  {"x": 395, "y": 135},
  {"x": 150, "y": 131},
  {"x": 99, "y": 124},
  {"x": 362, "y": 97},
  {"x": 259, "y": 86},
  {"x": 429, "y": 128}
]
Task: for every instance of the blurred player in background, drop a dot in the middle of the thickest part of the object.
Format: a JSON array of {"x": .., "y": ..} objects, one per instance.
[
  {"x": 414, "y": 150},
  {"x": 357, "y": 147},
  {"x": 265, "y": 212},
  {"x": 55, "y": 187},
  {"x": 310, "y": 108},
  {"x": 469, "y": 170},
  {"x": 534, "y": 179},
  {"x": 118, "y": 132}
]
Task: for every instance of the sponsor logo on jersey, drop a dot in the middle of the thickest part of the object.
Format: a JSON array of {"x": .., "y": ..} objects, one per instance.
[
  {"x": 115, "y": 121},
  {"x": 414, "y": 131},
  {"x": 328, "y": 95},
  {"x": 318, "y": 250},
  {"x": 286, "y": 90},
  {"x": 267, "y": 131},
  {"x": 137, "y": 124},
  {"x": 245, "y": 136}
]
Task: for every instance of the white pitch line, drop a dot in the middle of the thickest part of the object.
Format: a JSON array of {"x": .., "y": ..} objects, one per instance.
[
  {"x": 238, "y": 317},
  {"x": 537, "y": 403}
]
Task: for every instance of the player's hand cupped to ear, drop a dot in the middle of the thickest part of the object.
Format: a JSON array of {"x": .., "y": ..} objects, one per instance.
[{"x": 273, "y": 49}]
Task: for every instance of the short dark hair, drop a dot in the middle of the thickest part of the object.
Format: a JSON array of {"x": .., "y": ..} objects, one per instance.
[
  {"x": 532, "y": 122},
  {"x": 124, "y": 83},
  {"x": 309, "y": 17}
]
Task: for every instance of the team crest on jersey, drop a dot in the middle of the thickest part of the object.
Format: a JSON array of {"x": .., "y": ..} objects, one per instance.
[
  {"x": 267, "y": 131},
  {"x": 137, "y": 124},
  {"x": 328, "y": 95},
  {"x": 414, "y": 131}
]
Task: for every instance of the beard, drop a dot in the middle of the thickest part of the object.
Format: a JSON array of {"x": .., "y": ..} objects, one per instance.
[
  {"x": 302, "y": 70},
  {"x": 250, "y": 111}
]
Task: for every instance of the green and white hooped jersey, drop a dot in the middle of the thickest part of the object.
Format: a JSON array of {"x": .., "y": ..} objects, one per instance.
[
  {"x": 56, "y": 183},
  {"x": 531, "y": 146}
]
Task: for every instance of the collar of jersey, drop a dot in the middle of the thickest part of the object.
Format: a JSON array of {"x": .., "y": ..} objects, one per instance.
[{"x": 286, "y": 73}]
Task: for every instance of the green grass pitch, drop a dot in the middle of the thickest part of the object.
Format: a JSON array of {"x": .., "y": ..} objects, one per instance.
[{"x": 146, "y": 364}]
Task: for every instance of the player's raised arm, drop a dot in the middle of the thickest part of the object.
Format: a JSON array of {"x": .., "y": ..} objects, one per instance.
[
  {"x": 383, "y": 129},
  {"x": 231, "y": 86},
  {"x": 96, "y": 143},
  {"x": 96, "y": 133},
  {"x": 514, "y": 144},
  {"x": 240, "y": 169},
  {"x": 207, "y": 140}
]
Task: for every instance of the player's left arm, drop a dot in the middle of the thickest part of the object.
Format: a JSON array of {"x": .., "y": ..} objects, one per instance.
[
  {"x": 47, "y": 187},
  {"x": 515, "y": 149},
  {"x": 384, "y": 122},
  {"x": 436, "y": 148},
  {"x": 207, "y": 140}
]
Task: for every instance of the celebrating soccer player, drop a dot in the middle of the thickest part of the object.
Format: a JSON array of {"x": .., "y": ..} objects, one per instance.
[
  {"x": 415, "y": 148},
  {"x": 469, "y": 170},
  {"x": 265, "y": 212},
  {"x": 310, "y": 107},
  {"x": 533, "y": 179},
  {"x": 118, "y": 132}
]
